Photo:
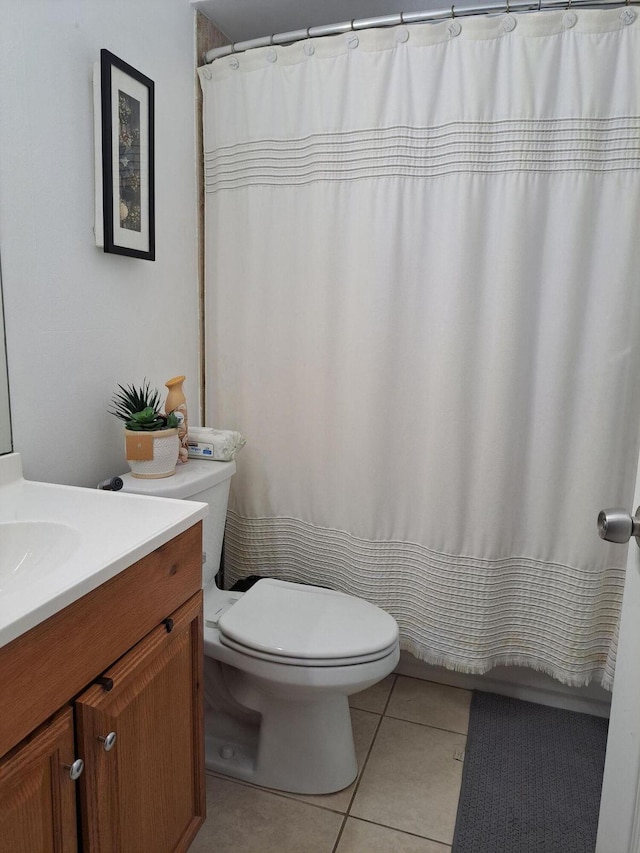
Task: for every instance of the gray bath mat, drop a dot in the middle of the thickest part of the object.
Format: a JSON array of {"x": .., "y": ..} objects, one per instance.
[{"x": 532, "y": 779}]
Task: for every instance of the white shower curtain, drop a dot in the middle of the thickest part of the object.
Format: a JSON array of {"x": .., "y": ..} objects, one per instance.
[{"x": 423, "y": 311}]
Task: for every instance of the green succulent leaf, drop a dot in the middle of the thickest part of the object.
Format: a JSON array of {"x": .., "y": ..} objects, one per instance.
[
  {"x": 140, "y": 408},
  {"x": 145, "y": 416}
]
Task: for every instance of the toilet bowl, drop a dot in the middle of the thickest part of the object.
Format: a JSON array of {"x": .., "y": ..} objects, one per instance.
[{"x": 281, "y": 660}]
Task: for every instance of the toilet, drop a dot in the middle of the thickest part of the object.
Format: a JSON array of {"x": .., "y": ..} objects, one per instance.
[{"x": 281, "y": 659}]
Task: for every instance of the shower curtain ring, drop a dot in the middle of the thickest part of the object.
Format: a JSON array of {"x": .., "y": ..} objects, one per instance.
[
  {"x": 508, "y": 7},
  {"x": 453, "y": 14}
]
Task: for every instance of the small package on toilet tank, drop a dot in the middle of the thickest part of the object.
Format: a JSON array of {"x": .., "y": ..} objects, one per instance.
[{"x": 220, "y": 445}]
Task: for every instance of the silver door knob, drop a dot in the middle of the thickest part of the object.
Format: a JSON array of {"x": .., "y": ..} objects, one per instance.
[
  {"x": 108, "y": 742},
  {"x": 75, "y": 769},
  {"x": 616, "y": 525}
]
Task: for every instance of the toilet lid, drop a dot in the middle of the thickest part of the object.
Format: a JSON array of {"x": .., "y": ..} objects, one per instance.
[{"x": 306, "y": 622}]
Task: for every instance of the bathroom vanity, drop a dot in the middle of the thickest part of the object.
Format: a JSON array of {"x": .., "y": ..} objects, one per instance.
[
  {"x": 101, "y": 721},
  {"x": 125, "y": 659}
]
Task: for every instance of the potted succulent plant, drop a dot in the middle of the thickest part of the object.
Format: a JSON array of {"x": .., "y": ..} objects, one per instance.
[{"x": 151, "y": 437}]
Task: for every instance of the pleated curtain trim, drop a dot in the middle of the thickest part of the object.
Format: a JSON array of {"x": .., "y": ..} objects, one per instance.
[
  {"x": 423, "y": 313},
  {"x": 569, "y": 145},
  {"x": 465, "y": 614}
]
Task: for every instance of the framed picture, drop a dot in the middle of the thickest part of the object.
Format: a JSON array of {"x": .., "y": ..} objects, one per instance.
[{"x": 126, "y": 149}]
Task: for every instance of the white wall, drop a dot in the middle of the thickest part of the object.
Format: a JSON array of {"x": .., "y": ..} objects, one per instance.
[{"x": 79, "y": 321}]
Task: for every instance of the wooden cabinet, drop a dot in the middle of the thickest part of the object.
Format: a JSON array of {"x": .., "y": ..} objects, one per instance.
[
  {"x": 146, "y": 792},
  {"x": 126, "y": 658},
  {"x": 37, "y": 795}
]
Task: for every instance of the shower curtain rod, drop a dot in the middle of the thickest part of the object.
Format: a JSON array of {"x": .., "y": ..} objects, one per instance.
[{"x": 431, "y": 16}]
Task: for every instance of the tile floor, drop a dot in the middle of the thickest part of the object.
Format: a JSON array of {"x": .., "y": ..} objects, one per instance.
[{"x": 410, "y": 737}]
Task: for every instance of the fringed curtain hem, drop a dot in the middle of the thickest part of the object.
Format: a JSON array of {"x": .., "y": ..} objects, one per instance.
[{"x": 462, "y": 613}]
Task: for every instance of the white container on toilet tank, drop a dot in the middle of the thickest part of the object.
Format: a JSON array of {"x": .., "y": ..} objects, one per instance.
[{"x": 196, "y": 480}]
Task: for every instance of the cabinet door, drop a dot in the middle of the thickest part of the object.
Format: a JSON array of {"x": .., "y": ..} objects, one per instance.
[
  {"x": 37, "y": 794},
  {"x": 146, "y": 792}
]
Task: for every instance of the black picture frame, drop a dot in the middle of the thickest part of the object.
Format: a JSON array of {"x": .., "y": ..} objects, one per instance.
[{"x": 128, "y": 159}]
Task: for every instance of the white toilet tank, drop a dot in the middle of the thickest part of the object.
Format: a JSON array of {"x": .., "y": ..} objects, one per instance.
[{"x": 196, "y": 480}]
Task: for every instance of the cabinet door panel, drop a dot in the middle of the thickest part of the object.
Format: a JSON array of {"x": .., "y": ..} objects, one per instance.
[
  {"x": 37, "y": 795},
  {"x": 147, "y": 792}
]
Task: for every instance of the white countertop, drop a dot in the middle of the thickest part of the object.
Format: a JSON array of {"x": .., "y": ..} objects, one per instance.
[{"x": 104, "y": 533}]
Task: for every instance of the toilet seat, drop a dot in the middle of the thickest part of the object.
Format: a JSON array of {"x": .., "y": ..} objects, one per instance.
[
  {"x": 307, "y": 662},
  {"x": 304, "y": 625}
]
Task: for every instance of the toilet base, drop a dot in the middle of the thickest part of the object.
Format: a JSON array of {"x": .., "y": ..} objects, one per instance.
[{"x": 299, "y": 747}]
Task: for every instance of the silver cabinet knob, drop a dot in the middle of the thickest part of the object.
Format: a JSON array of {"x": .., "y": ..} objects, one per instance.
[
  {"x": 75, "y": 769},
  {"x": 108, "y": 742},
  {"x": 616, "y": 525}
]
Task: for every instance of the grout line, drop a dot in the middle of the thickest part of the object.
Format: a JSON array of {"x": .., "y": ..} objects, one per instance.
[
  {"x": 418, "y": 723},
  {"x": 364, "y": 765},
  {"x": 432, "y": 681},
  {"x": 340, "y": 831},
  {"x": 371, "y": 745},
  {"x": 384, "y": 825},
  {"x": 393, "y": 687},
  {"x": 358, "y": 779},
  {"x": 404, "y": 831},
  {"x": 428, "y": 725},
  {"x": 386, "y": 703},
  {"x": 284, "y": 795}
]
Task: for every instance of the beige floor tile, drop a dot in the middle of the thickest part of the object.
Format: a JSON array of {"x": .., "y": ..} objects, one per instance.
[
  {"x": 364, "y": 728},
  {"x": 375, "y": 698},
  {"x": 431, "y": 704},
  {"x": 244, "y": 819},
  {"x": 362, "y": 837},
  {"x": 412, "y": 780}
]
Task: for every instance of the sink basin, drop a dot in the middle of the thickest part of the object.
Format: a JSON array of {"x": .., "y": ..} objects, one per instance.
[
  {"x": 59, "y": 543},
  {"x": 29, "y": 550}
]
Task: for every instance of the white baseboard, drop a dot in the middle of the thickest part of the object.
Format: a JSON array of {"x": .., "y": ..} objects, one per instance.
[{"x": 517, "y": 682}]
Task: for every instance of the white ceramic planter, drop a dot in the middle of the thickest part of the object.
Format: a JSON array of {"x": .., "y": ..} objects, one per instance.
[{"x": 165, "y": 446}]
